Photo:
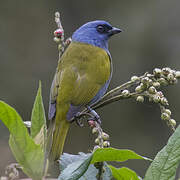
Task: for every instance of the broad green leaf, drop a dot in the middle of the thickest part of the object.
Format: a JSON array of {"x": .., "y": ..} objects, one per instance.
[
  {"x": 91, "y": 172},
  {"x": 28, "y": 154},
  {"x": 123, "y": 173},
  {"x": 166, "y": 161},
  {"x": 38, "y": 119},
  {"x": 112, "y": 154},
  {"x": 78, "y": 166},
  {"x": 76, "y": 169}
]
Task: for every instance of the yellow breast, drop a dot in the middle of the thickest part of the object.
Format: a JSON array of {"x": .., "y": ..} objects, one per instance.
[{"x": 86, "y": 68}]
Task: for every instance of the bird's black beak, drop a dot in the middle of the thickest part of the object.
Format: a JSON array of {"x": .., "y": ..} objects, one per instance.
[{"x": 114, "y": 30}]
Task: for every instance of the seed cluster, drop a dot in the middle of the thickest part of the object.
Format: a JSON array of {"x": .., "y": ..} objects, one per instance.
[
  {"x": 102, "y": 138},
  {"x": 59, "y": 36},
  {"x": 149, "y": 87}
]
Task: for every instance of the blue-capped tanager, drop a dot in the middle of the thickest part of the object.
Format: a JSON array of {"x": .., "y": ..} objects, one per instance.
[{"x": 82, "y": 77}]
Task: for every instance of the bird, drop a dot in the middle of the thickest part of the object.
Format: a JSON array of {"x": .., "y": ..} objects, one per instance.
[{"x": 82, "y": 77}]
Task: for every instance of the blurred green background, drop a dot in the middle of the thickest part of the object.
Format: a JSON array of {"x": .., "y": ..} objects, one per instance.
[{"x": 151, "y": 38}]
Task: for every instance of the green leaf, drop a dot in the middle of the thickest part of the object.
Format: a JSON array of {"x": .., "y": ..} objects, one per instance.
[
  {"x": 123, "y": 173},
  {"x": 80, "y": 166},
  {"x": 112, "y": 154},
  {"x": 28, "y": 154},
  {"x": 38, "y": 119},
  {"x": 91, "y": 172},
  {"x": 166, "y": 161},
  {"x": 76, "y": 169}
]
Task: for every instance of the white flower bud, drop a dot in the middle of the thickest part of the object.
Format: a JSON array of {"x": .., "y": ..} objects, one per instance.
[
  {"x": 175, "y": 81},
  {"x": 166, "y": 71},
  {"x": 152, "y": 90},
  {"x": 177, "y": 74},
  {"x": 160, "y": 94},
  {"x": 165, "y": 116},
  {"x": 156, "y": 84},
  {"x": 125, "y": 93},
  {"x": 97, "y": 141},
  {"x": 157, "y": 72},
  {"x": 164, "y": 101},
  {"x": 106, "y": 143},
  {"x": 94, "y": 130},
  {"x": 172, "y": 122},
  {"x": 170, "y": 77},
  {"x": 145, "y": 80},
  {"x": 105, "y": 136},
  {"x": 167, "y": 111},
  {"x": 134, "y": 78},
  {"x": 156, "y": 98},
  {"x": 140, "y": 99},
  {"x": 138, "y": 89},
  {"x": 150, "y": 82}
]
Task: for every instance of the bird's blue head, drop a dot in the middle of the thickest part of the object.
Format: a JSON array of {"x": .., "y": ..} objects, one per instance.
[{"x": 95, "y": 33}]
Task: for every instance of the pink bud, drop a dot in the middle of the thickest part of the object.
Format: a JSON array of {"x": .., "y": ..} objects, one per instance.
[
  {"x": 58, "y": 33},
  {"x": 91, "y": 123}
]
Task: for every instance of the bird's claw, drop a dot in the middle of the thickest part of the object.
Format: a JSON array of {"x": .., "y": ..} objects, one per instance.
[
  {"x": 92, "y": 116},
  {"x": 79, "y": 122}
]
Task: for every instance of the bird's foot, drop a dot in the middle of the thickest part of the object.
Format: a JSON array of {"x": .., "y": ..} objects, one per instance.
[
  {"x": 78, "y": 119},
  {"x": 91, "y": 116}
]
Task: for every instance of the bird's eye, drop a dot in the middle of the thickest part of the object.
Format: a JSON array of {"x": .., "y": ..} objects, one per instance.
[
  {"x": 103, "y": 28},
  {"x": 100, "y": 29}
]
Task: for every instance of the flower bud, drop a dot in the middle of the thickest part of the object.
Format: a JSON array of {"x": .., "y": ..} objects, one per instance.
[
  {"x": 156, "y": 98},
  {"x": 145, "y": 80},
  {"x": 166, "y": 71},
  {"x": 152, "y": 90},
  {"x": 157, "y": 72},
  {"x": 172, "y": 122},
  {"x": 95, "y": 130},
  {"x": 91, "y": 123},
  {"x": 125, "y": 93},
  {"x": 58, "y": 33},
  {"x": 138, "y": 89},
  {"x": 105, "y": 136},
  {"x": 164, "y": 101},
  {"x": 106, "y": 143},
  {"x": 134, "y": 78},
  {"x": 174, "y": 81},
  {"x": 97, "y": 141},
  {"x": 167, "y": 111},
  {"x": 140, "y": 99},
  {"x": 170, "y": 77},
  {"x": 156, "y": 84},
  {"x": 165, "y": 116},
  {"x": 159, "y": 93},
  {"x": 177, "y": 74},
  {"x": 150, "y": 82},
  {"x": 163, "y": 81}
]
